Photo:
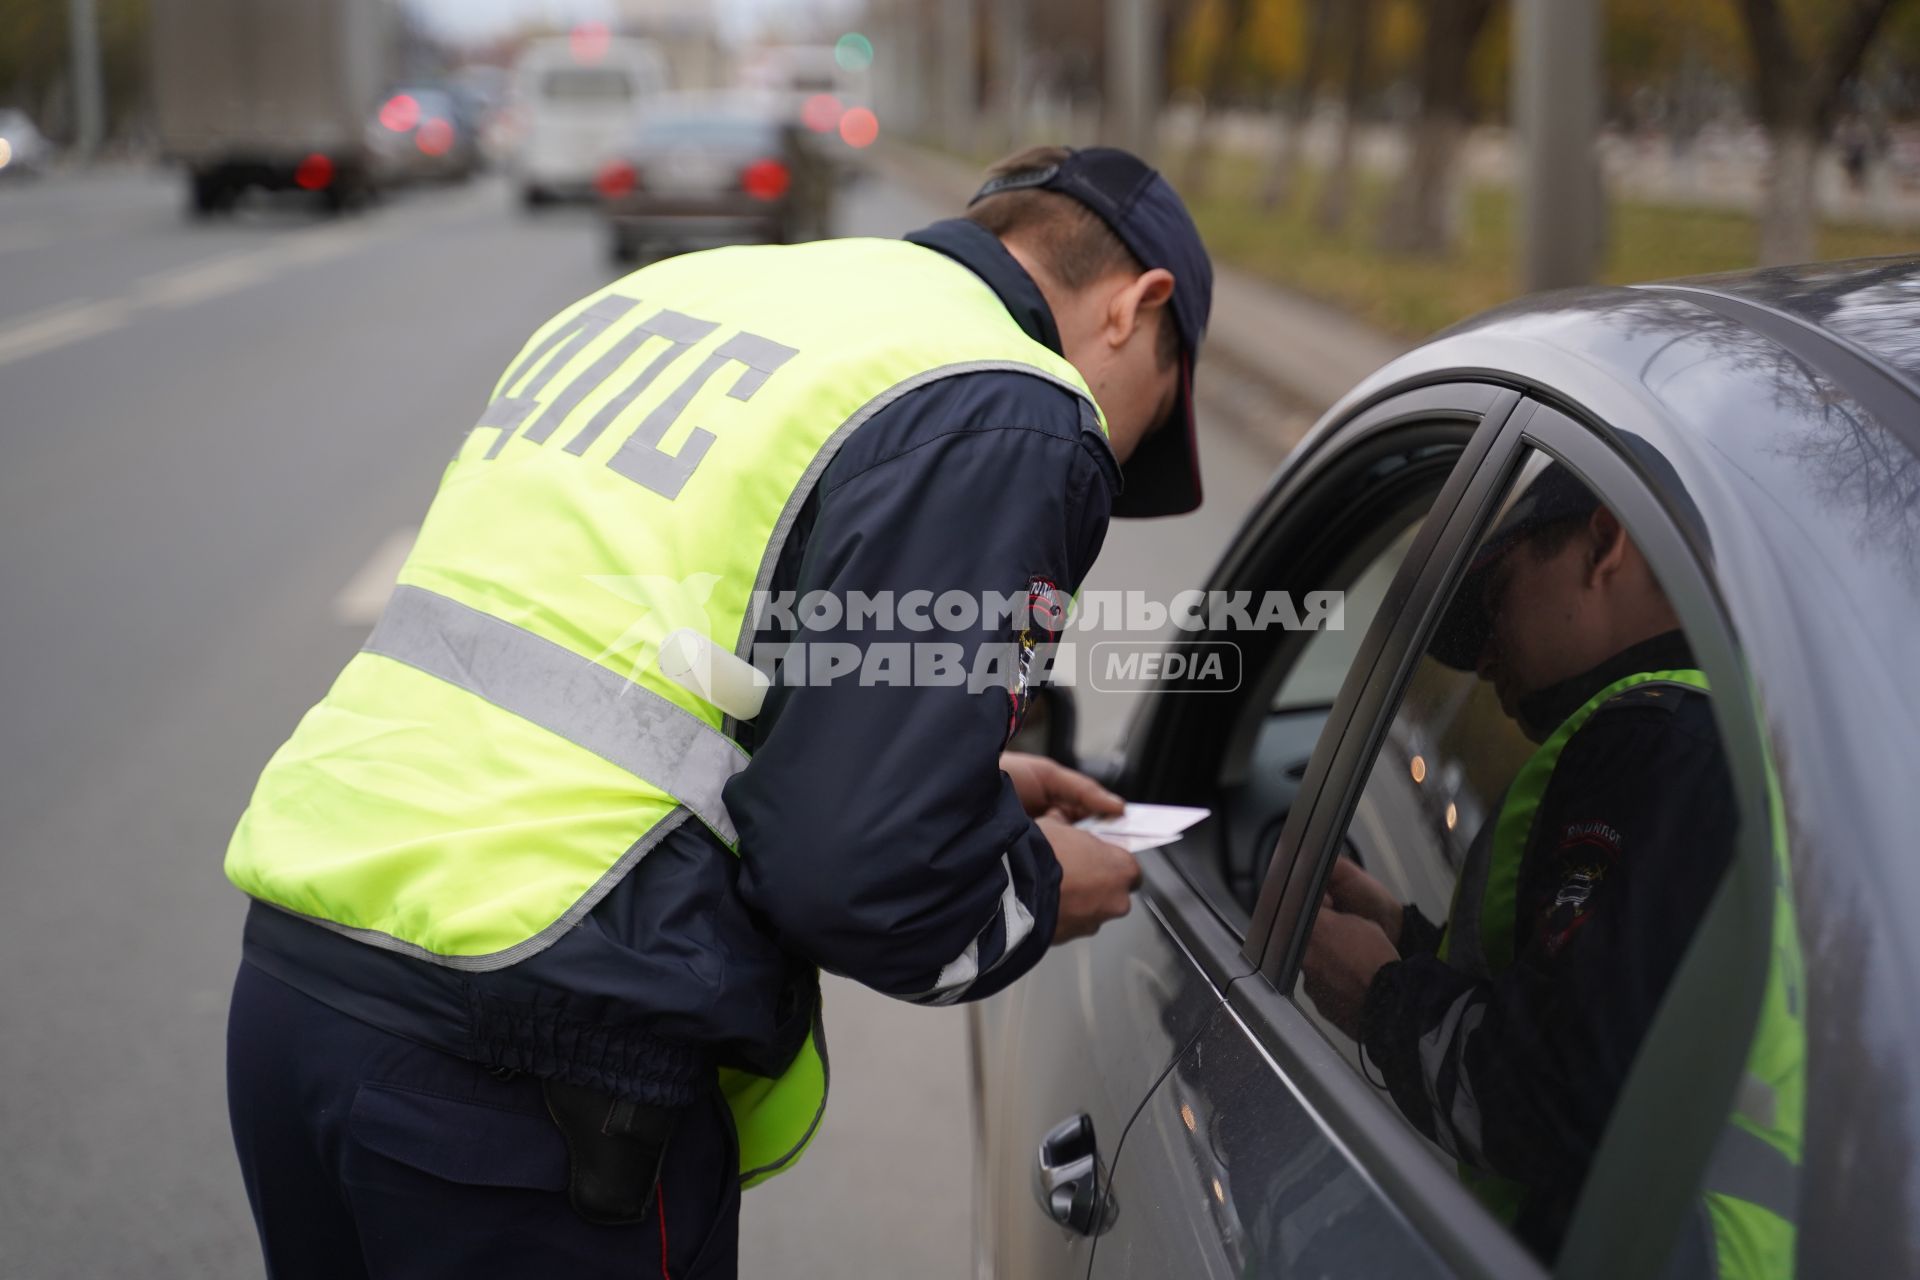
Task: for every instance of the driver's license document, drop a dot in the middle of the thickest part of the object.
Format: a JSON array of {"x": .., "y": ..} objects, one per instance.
[{"x": 1144, "y": 826}]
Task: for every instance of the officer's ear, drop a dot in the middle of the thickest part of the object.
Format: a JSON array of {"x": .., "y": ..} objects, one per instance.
[
  {"x": 1607, "y": 546},
  {"x": 1138, "y": 301}
]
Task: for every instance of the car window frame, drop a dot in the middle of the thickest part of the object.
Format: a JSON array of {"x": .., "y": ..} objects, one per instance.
[
  {"x": 1617, "y": 1214},
  {"x": 1227, "y": 948},
  {"x": 1438, "y": 553}
]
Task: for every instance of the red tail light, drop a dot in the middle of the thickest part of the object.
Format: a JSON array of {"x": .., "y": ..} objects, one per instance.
[
  {"x": 314, "y": 173},
  {"x": 401, "y": 112},
  {"x": 617, "y": 178},
  {"x": 434, "y": 137},
  {"x": 765, "y": 179},
  {"x": 859, "y": 128},
  {"x": 821, "y": 113}
]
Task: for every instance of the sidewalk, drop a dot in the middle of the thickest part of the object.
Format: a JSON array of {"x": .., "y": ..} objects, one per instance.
[{"x": 1300, "y": 351}]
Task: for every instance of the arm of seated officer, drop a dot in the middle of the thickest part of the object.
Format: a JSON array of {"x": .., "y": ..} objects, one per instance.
[{"x": 1351, "y": 890}]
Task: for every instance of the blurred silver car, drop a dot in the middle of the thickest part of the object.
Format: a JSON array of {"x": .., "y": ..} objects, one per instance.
[
  {"x": 712, "y": 169},
  {"x": 23, "y": 150}
]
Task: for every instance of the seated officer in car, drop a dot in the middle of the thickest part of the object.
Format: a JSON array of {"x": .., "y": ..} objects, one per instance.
[{"x": 1506, "y": 1036}]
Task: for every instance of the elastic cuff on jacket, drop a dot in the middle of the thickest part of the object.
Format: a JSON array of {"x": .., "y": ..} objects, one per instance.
[
  {"x": 621, "y": 1062},
  {"x": 1418, "y": 935}
]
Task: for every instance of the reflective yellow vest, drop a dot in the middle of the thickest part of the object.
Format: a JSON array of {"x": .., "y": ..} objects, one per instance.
[
  {"x": 505, "y": 749},
  {"x": 1752, "y": 1187}
]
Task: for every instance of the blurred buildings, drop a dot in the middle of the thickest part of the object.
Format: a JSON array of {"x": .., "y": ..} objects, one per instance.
[{"x": 687, "y": 33}]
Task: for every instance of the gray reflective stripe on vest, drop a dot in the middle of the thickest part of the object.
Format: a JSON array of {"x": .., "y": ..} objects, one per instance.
[
  {"x": 1757, "y": 1101},
  {"x": 578, "y": 699},
  {"x": 1748, "y": 1167}
]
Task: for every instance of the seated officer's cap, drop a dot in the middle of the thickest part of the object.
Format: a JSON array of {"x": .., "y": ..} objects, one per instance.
[
  {"x": 1556, "y": 494},
  {"x": 1163, "y": 475}
]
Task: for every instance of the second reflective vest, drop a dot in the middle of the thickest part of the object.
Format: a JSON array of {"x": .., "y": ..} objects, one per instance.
[
  {"x": 1751, "y": 1193},
  {"x": 504, "y": 749}
]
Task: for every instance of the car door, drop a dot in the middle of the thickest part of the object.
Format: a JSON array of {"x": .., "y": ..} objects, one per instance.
[
  {"x": 1399, "y": 483},
  {"x": 1092, "y": 1029},
  {"x": 1271, "y": 1148}
]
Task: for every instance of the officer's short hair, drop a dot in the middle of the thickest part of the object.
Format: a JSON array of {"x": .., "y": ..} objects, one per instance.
[
  {"x": 1551, "y": 538},
  {"x": 1070, "y": 240}
]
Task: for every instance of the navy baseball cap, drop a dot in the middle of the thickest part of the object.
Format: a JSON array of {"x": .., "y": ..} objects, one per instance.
[
  {"x": 1556, "y": 494},
  {"x": 1130, "y": 196}
]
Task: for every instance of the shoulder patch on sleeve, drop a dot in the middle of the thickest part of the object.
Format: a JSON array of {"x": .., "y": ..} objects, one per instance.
[
  {"x": 1041, "y": 623},
  {"x": 1581, "y": 858}
]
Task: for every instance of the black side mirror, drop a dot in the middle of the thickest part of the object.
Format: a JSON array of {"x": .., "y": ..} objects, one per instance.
[{"x": 1051, "y": 727}]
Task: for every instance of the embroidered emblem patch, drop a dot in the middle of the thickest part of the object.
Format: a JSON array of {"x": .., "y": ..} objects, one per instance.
[
  {"x": 1045, "y": 618},
  {"x": 1586, "y": 853}
]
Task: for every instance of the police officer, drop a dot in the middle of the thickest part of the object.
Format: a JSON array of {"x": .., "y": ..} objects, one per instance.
[
  {"x": 529, "y": 982},
  {"x": 1506, "y": 1037}
]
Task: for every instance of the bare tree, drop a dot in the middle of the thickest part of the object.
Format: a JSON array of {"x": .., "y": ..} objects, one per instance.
[
  {"x": 1798, "y": 87},
  {"x": 1356, "y": 33},
  {"x": 1213, "y": 89},
  {"x": 1293, "y": 124},
  {"x": 1419, "y": 218}
]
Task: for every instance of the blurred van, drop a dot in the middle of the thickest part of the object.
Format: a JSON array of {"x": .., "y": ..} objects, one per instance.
[{"x": 576, "y": 101}]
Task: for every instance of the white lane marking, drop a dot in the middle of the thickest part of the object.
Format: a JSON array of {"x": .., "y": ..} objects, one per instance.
[
  {"x": 199, "y": 281},
  {"x": 209, "y": 278},
  {"x": 56, "y": 326},
  {"x": 365, "y": 595}
]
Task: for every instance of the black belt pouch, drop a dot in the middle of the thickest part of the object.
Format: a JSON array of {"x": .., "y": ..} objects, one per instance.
[{"x": 615, "y": 1149}]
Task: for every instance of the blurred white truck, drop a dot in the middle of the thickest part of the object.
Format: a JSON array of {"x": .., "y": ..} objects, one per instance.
[{"x": 278, "y": 94}]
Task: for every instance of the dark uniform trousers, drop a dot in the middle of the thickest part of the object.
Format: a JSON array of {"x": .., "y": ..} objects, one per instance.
[{"x": 365, "y": 1154}]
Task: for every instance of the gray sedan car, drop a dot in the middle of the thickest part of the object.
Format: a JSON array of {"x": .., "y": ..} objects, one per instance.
[
  {"x": 706, "y": 169},
  {"x": 1177, "y": 1096}
]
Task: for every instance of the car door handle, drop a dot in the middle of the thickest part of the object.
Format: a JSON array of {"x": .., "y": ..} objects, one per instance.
[{"x": 1068, "y": 1178}]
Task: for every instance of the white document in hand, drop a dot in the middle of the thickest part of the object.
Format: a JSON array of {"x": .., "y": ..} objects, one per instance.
[{"x": 1144, "y": 826}]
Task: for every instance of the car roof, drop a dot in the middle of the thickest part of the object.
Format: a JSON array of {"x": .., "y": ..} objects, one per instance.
[
  {"x": 1869, "y": 302},
  {"x": 1784, "y": 405},
  {"x": 717, "y": 104},
  {"x": 621, "y": 53}
]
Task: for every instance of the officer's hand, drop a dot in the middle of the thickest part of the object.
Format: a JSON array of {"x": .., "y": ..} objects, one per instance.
[
  {"x": 1344, "y": 953},
  {"x": 1097, "y": 880},
  {"x": 1047, "y": 786},
  {"x": 1355, "y": 892}
]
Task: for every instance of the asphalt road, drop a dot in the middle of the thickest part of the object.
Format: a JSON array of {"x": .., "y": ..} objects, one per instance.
[{"x": 213, "y": 441}]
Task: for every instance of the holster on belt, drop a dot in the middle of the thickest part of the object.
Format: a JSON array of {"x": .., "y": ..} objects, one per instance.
[{"x": 615, "y": 1149}]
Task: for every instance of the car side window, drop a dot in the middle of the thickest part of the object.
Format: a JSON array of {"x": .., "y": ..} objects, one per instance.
[
  {"x": 1253, "y": 758},
  {"x": 1315, "y": 677},
  {"x": 1539, "y": 834}
]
